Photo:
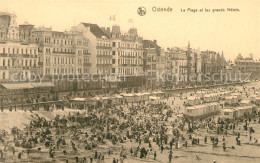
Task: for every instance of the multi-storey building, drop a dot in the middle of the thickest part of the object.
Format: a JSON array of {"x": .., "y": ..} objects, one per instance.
[
  {"x": 101, "y": 59},
  {"x": 18, "y": 50},
  {"x": 176, "y": 64},
  {"x": 115, "y": 53},
  {"x": 247, "y": 65},
  {"x": 100, "y": 48},
  {"x": 154, "y": 64},
  {"x": 63, "y": 54},
  {"x": 127, "y": 52},
  {"x": 212, "y": 62},
  {"x": 182, "y": 63}
]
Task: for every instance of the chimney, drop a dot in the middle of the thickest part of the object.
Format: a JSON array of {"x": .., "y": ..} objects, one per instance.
[
  {"x": 155, "y": 41},
  {"x": 103, "y": 29},
  {"x": 108, "y": 29},
  {"x": 116, "y": 29}
]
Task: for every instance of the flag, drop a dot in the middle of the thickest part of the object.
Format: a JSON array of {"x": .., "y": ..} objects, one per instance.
[
  {"x": 130, "y": 20},
  {"x": 112, "y": 17}
]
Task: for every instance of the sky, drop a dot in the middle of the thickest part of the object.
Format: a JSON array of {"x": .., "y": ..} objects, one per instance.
[{"x": 230, "y": 32}]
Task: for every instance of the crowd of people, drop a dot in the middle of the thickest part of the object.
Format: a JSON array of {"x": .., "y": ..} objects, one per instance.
[{"x": 128, "y": 131}]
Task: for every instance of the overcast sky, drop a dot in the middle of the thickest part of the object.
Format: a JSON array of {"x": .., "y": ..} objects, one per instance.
[{"x": 231, "y": 32}]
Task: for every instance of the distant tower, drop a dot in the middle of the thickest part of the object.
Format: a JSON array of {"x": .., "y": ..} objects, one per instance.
[
  {"x": 251, "y": 56},
  {"x": 133, "y": 31},
  {"x": 188, "y": 53}
]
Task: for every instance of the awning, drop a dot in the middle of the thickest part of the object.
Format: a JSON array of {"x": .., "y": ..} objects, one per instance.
[
  {"x": 112, "y": 79},
  {"x": 13, "y": 86},
  {"x": 159, "y": 92},
  {"x": 154, "y": 98},
  {"x": 245, "y": 101},
  {"x": 105, "y": 98},
  {"x": 78, "y": 99},
  {"x": 44, "y": 84},
  {"x": 95, "y": 98},
  {"x": 128, "y": 95},
  {"x": 227, "y": 110}
]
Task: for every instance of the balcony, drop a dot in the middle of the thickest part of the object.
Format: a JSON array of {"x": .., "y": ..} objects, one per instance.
[
  {"x": 3, "y": 67},
  {"x": 54, "y": 52},
  {"x": 3, "y": 41},
  {"x": 104, "y": 47},
  {"x": 3, "y": 55},
  {"x": 123, "y": 48},
  {"x": 104, "y": 56},
  {"x": 26, "y": 67},
  {"x": 13, "y": 55},
  {"x": 87, "y": 64},
  {"x": 129, "y": 65},
  {"x": 29, "y": 56},
  {"x": 86, "y": 54},
  {"x": 104, "y": 65},
  {"x": 15, "y": 67},
  {"x": 127, "y": 56}
]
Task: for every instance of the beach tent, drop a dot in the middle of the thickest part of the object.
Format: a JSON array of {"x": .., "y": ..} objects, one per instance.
[{"x": 154, "y": 100}]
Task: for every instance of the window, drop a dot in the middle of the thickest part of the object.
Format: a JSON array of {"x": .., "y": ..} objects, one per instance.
[
  {"x": 113, "y": 52},
  {"x": 114, "y": 44},
  {"x": 113, "y": 61}
]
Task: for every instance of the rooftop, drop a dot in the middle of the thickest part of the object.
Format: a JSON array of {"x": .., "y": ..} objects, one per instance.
[{"x": 96, "y": 30}]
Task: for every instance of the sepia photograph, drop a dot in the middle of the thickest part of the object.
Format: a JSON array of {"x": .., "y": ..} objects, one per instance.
[{"x": 130, "y": 81}]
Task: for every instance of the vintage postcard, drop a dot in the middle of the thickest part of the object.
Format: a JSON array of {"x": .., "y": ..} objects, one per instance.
[{"x": 130, "y": 81}]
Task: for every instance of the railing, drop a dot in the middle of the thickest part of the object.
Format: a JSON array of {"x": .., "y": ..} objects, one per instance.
[
  {"x": 15, "y": 67},
  {"x": 26, "y": 67},
  {"x": 54, "y": 52},
  {"x": 130, "y": 48},
  {"x": 104, "y": 65},
  {"x": 104, "y": 56},
  {"x": 104, "y": 47},
  {"x": 87, "y": 64},
  {"x": 86, "y": 53},
  {"x": 3, "y": 67},
  {"x": 29, "y": 56},
  {"x": 121, "y": 56},
  {"x": 130, "y": 65},
  {"x": 3, "y": 55}
]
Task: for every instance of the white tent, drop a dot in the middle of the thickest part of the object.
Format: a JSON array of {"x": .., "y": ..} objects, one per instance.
[
  {"x": 231, "y": 99},
  {"x": 129, "y": 97},
  {"x": 154, "y": 100},
  {"x": 228, "y": 113},
  {"x": 257, "y": 100},
  {"x": 192, "y": 100},
  {"x": 245, "y": 102}
]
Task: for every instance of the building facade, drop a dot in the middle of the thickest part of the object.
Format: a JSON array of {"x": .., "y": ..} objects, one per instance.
[
  {"x": 63, "y": 57},
  {"x": 18, "y": 50},
  {"x": 212, "y": 62},
  {"x": 154, "y": 64},
  {"x": 247, "y": 65},
  {"x": 127, "y": 51},
  {"x": 100, "y": 48}
]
